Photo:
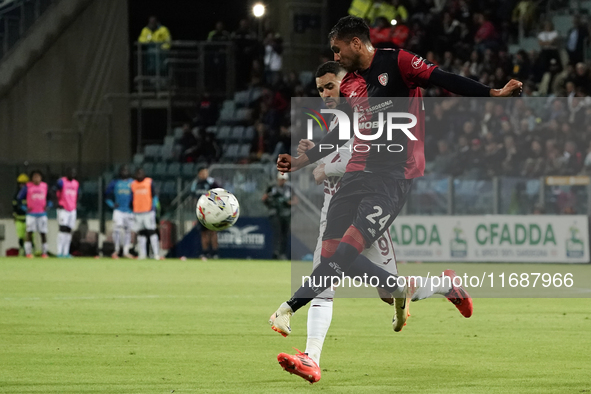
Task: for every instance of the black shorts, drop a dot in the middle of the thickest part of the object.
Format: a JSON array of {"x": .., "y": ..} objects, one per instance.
[{"x": 368, "y": 201}]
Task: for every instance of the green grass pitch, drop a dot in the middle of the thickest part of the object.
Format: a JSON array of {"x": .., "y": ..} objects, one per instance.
[{"x": 103, "y": 326}]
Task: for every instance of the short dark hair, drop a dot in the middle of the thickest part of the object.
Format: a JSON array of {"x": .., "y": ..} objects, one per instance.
[
  {"x": 36, "y": 172},
  {"x": 349, "y": 27},
  {"x": 329, "y": 67}
]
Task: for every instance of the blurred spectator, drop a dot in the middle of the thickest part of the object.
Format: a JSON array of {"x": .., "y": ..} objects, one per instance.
[
  {"x": 215, "y": 58},
  {"x": 573, "y": 160},
  {"x": 381, "y": 34},
  {"x": 207, "y": 112},
  {"x": 155, "y": 33},
  {"x": 279, "y": 198},
  {"x": 391, "y": 10},
  {"x": 188, "y": 144},
  {"x": 445, "y": 160},
  {"x": 486, "y": 36},
  {"x": 524, "y": 14},
  {"x": 246, "y": 44},
  {"x": 521, "y": 65},
  {"x": 155, "y": 39},
  {"x": 451, "y": 32},
  {"x": 273, "y": 56},
  {"x": 575, "y": 40},
  {"x": 400, "y": 35},
  {"x": 548, "y": 41},
  {"x": 209, "y": 239},
  {"x": 476, "y": 166},
  {"x": 534, "y": 164},
  {"x": 510, "y": 156},
  {"x": 219, "y": 33},
  {"x": 208, "y": 149},
  {"x": 582, "y": 78}
]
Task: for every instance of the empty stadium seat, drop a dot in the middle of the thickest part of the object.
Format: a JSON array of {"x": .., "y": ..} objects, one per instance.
[
  {"x": 169, "y": 188},
  {"x": 306, "y": 77},
  {"x": 229, "y": 105},
  {"x": 212, "y": 129},
  {"x": 242, "y": 115},
  {"x": 138, "y": 159},
  {"x": 237, "y": 133},
  {"x": 248, "y": 134},
  {"x": 153, "y": 152},
  {"x": 223, "y": 133},
  {"x": 188, "y": 170},
  {"x": 231, "y": 153},
  {"x": 178, "y": 133},
  {"x": 241, "y": 98},
  {"x": 244, "y": 151},
  {"x": 157, "y": 186},
  {"x": 160, "y": 170},
  {"x": 173, "y": 170},
  {"x": 148, "y": 168},
  {"x": 90, "y": 187}
]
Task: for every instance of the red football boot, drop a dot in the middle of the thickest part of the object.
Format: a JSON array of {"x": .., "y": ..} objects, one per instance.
[
  {"x": 301, "y": 365},
  {"x": 458, "y": 296}
]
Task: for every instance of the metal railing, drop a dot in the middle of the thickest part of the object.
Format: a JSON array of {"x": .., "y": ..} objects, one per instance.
[
  {"x": 16, "y": 17},
  {"x": 185, "y": 67}
]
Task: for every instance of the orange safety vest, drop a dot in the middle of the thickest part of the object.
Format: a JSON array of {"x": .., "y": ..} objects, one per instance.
[{"x": 142, "y": 195}]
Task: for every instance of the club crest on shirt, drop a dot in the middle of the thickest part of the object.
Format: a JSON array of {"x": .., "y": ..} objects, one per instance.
[{"x": 383, "y": 79}]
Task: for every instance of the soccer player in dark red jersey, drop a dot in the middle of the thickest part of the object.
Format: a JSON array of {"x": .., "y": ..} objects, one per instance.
[{"x": 377, "y": 181}]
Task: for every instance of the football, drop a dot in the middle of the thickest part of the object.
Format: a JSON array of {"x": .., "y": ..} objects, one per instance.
[{"x": 218, "y": 209}]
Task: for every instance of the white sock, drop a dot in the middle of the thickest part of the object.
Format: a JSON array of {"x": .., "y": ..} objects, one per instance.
[
  {"x": 155, "y": 246},
  {"x": 28, "y": 247},
  {"x": 116, "y": 237},
  {"x": 142, "y": 242},
  {"x": 319, "y": 318},
  {"x": 127, "y": 244},
  {"x": 428, "y": 288},
  {"x": 60, "y": 243},
  {"x": 45, "y": 248},
  {"x": 67, "y": 242}
]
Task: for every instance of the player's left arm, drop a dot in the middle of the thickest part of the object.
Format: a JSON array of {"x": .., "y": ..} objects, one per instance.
[
  {"x": 470, "y": 88},
  {"x": 416, "y": 71}
]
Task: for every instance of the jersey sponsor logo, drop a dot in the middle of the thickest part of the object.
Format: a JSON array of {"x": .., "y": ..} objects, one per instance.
[
  {"x": 383, "y": 79},
  {"x": 417, "y": 62}
]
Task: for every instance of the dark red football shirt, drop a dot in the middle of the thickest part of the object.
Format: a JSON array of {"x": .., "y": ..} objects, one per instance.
[{"x": 391, "y": 84}]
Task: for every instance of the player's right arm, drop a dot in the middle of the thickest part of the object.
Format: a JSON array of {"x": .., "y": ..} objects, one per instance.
[{"x": 327, "y": 145}]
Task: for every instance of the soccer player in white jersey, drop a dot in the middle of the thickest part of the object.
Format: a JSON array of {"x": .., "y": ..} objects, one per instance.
[{"x": 328, "y": 172}]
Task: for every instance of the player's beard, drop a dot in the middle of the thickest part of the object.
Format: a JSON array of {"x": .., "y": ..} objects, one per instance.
[{"x": 353, "y": 65}]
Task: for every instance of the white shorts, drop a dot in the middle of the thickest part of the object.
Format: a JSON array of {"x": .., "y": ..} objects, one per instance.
[
  {"x": 145, "y": 221},
  {"x": 66, "y": 218},
  {"x": 381, "y": 253},
  {"x": 36, "y": 224},
  {"x": 123, "y": 220}
]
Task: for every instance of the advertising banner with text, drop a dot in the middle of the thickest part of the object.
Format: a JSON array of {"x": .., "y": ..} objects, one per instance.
[{"x": 492, "y": 238}]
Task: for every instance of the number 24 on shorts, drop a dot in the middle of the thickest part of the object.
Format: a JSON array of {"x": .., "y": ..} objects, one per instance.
[{"x": 378, "y": 211}]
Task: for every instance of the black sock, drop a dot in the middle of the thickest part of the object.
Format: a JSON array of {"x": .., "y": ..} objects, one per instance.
[
  {"x": 336, "y": 265},
  {"x": 205, "y": 252}
]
